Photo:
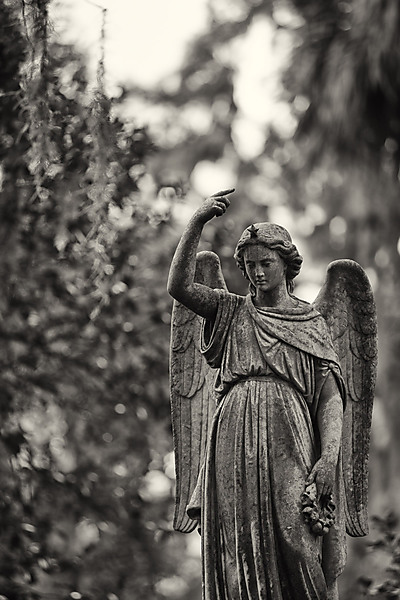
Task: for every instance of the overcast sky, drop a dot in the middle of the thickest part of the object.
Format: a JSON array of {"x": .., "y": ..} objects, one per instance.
[{"x": 145, "y": 39}]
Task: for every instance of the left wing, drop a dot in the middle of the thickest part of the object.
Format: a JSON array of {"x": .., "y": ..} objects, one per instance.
[{"x": 347, "y": 304}]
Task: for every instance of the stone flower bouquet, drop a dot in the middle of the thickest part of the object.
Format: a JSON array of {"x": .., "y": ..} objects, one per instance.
[{"x": 319, "y": 516}]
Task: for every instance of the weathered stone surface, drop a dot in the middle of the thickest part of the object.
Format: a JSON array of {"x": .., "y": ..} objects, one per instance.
[{"x": 267, "y": 464}]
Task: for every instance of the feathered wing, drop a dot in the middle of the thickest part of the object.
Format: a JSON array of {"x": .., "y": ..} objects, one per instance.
[
  {"x": 192, "y": 395},
  {"x": 347, "y": 304}
]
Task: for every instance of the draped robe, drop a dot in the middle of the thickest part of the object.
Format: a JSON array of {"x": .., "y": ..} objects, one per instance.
[{"x": 264, "y": 441}]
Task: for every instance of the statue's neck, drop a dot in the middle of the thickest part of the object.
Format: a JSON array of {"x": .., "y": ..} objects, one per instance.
[{"x": 276, "y": 298}]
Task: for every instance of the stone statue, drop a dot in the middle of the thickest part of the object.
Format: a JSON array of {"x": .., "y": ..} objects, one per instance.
[{"x": 271, "y": 411}]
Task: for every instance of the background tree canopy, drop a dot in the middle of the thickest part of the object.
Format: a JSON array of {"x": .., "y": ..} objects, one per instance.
[{"x": 91, "y": 209}]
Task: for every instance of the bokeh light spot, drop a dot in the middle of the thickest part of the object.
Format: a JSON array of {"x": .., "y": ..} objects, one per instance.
[
  {"x": 102, "y": 362},
  {"x": 338, "y": 226},
  {"x": 120, "y": 470},
  {"x": 382, "y": 258}
]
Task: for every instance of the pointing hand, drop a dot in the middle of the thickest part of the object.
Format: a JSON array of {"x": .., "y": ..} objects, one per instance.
[{"x": 214, "y": 206}]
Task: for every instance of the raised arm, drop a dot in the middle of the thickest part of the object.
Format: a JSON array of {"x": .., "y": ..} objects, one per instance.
[{"x": 181, "y": 285}]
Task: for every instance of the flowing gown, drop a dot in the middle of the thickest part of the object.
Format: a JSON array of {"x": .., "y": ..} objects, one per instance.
[{"x": 264, "y": 441}]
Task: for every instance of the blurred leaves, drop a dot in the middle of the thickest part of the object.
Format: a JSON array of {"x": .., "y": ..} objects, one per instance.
[
  {"x": 387, "y": 539},
  {"x": 84, "y": 330}
]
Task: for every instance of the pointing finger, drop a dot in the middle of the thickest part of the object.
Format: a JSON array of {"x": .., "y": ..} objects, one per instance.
[{"x": 223, "y": 193}]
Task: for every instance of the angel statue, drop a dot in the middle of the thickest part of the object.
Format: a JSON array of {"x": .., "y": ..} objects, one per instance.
[{"x": 271, "y": 410}]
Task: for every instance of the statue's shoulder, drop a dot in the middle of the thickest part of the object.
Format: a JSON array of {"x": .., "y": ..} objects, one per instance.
[{"x": 230, "y": 298}]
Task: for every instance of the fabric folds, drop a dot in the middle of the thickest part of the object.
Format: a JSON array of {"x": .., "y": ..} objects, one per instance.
[{"x": 263, "y": 443}]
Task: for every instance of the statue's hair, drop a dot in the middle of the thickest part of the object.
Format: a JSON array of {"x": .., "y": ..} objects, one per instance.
[{"x": 282, "y": 244}]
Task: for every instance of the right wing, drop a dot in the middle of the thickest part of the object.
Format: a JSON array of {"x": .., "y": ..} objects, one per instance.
[{"x": 192, "y": 392}]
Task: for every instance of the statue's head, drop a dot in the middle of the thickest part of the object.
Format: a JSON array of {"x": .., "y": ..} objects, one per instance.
[{"x": 275, "y": 237}]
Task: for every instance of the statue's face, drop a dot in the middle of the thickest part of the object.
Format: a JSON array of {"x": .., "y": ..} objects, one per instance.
[{"x": 264, "y": 267}]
